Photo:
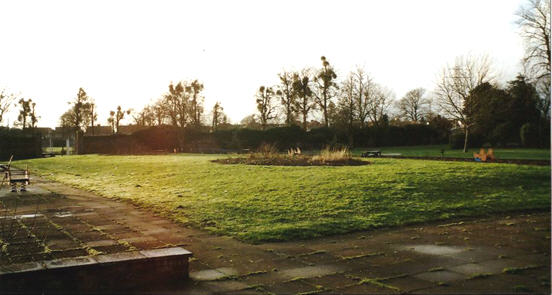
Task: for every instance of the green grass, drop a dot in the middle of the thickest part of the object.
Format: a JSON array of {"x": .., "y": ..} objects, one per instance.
[
  {"x": 261, "y": 203},
  {"x": 435, "y": 151}
]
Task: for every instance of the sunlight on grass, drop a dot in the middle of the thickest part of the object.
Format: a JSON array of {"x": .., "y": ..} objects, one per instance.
[{"x": 257, "y": 203}]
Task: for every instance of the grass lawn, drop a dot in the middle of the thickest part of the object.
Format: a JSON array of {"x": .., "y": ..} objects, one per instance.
[
  {"x": 260, "y": 203},
  {"x": 435, "y": 151},
  {"x": 56, "y": 149}
]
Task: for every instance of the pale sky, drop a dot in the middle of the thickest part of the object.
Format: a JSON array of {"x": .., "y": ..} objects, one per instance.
[{"x": 127, "y": 52}]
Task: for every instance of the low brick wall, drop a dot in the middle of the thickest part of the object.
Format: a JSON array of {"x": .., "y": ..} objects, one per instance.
[{"x": 126, "y": 271}]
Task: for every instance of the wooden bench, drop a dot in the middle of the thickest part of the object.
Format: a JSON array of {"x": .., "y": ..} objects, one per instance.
[
  {"x": 15, "y": 176},
  {"x": 375, "y": 153}
]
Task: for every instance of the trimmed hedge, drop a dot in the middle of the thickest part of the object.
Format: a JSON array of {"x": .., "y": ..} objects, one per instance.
[
  {"x": 22, "y": 144},
  {"x": 169, "y": 139}
]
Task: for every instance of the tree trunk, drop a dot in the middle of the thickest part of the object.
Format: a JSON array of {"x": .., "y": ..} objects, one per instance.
[{"x": 466, "y": 134}]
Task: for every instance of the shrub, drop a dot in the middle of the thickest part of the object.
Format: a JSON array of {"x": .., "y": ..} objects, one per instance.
[
  {"x": 266, "y": 151},
  {"x": 333, "y": 155},
  {"x": 528, "y": 134}
]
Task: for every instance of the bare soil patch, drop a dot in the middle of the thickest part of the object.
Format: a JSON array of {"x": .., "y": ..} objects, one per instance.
[{"x": 295, "y": 161}]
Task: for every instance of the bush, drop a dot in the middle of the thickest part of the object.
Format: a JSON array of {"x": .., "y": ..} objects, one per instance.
[
  {"x": 456, "y": 140},
  {"x": 333, "y": 155},
  {"x": 266, "y": 151},
  {"x": 529, "y": 135}
]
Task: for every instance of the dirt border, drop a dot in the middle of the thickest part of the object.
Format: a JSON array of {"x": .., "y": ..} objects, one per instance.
[{"x": 289, "y": 162}]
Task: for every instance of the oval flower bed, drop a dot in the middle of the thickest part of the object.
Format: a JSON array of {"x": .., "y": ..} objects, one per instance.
[{"x": 270, "y": 156}]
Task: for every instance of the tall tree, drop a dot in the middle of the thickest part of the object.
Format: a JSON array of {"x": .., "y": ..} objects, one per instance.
[
  {"x": 324, "y": 88},
  {"x": 364, "y": 94},
  {"x": 159, "y": 113},
  {"x": 250, "y": 122},
  {"x": 145, "y": 117},
  {"x": 346, "y": 104},
  {"x": 111, "y": 121},
  {"x": 218, "y": 116},
  {"x": 414, "y": 105},
  {"x": 526, "y": 104},
  {"x": 93, "y": 116},
  {"x": 177, "y": 104},
  {"x": 6, "y": 102},
  {"x": 34, "y": 118},
  {"x": 455, "y": 84},
  {"x": 195, "y": 111},
  {"x": 534, "y": 21},
  {"x": 303, "y": 92},
  {"x": 287, "y": 97},
  {"x": 379, "y": 100},
  {"x": 27, "y": 115},
  {"x": 115, "y": 118},
  {"x": 265, "y": 105},
  {"x": 79, "y": 115},
  {"x": 488, "y": 109},
  {"x": 498, "y": 114}
]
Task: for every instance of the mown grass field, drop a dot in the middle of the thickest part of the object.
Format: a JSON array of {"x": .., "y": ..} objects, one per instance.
[
  {"x": 435, "y": 151},
  {"x": 260, "y": 203}
]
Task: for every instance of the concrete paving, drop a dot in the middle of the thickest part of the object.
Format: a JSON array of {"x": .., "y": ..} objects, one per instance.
[{"x": 500, "y": 254}]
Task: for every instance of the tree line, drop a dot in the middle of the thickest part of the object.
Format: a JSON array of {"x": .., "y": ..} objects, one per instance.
[{"x": 467, "y": 97}]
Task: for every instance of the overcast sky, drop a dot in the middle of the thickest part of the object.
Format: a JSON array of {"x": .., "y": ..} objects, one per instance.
[{"x": 127, "y": 52}]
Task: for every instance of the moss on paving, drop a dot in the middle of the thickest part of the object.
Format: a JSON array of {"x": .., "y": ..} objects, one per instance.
[{"x": 264, "y": 203}]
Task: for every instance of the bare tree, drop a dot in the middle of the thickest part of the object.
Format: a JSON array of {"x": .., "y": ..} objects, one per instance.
[
  {"x": 92, "y": 115},
  {"x": 324, "y": 88},
  {"x": 287, "y": 96},
  {"x": 175, "y": 104},
  {"x": 145, "y": 117},
  {"x": 414, "y": 105},
  {"x": 265, "y": 105},
  {"x": 455, "y": 84},
  {"x": 78, "y": 116},
  {"x": 218, "y": 116},
  {"x": 379, "y": 100},
  {"x": 110, "y": 121},
  {"x": 534, "y": 21},
  {"x": 115, "y": 118},
  {"x": 346, "y": 103},
  {"x": 250, "y": 122},
  {"x": 304, "y": 103},
  {"x": 196, "y": 102},
  {"x": 32, "y": 115},
  {"x": 364, "y": 91},
  {"x": 159, "y": 113},
  {"x": 24, "y": 116},
  {"x": 6, "y": 102}
]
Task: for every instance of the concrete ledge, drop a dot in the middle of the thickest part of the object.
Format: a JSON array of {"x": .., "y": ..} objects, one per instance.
[{"x": 118, "y": 271}]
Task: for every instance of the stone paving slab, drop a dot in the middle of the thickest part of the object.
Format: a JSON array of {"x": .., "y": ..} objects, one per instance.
[{"x": 459, "y": 256}]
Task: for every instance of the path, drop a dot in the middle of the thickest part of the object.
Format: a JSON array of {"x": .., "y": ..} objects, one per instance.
[{"x": 502, "y": 254}]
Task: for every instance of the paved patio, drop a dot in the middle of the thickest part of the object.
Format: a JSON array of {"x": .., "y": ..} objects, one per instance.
[{"x": 501, "y": 254}]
